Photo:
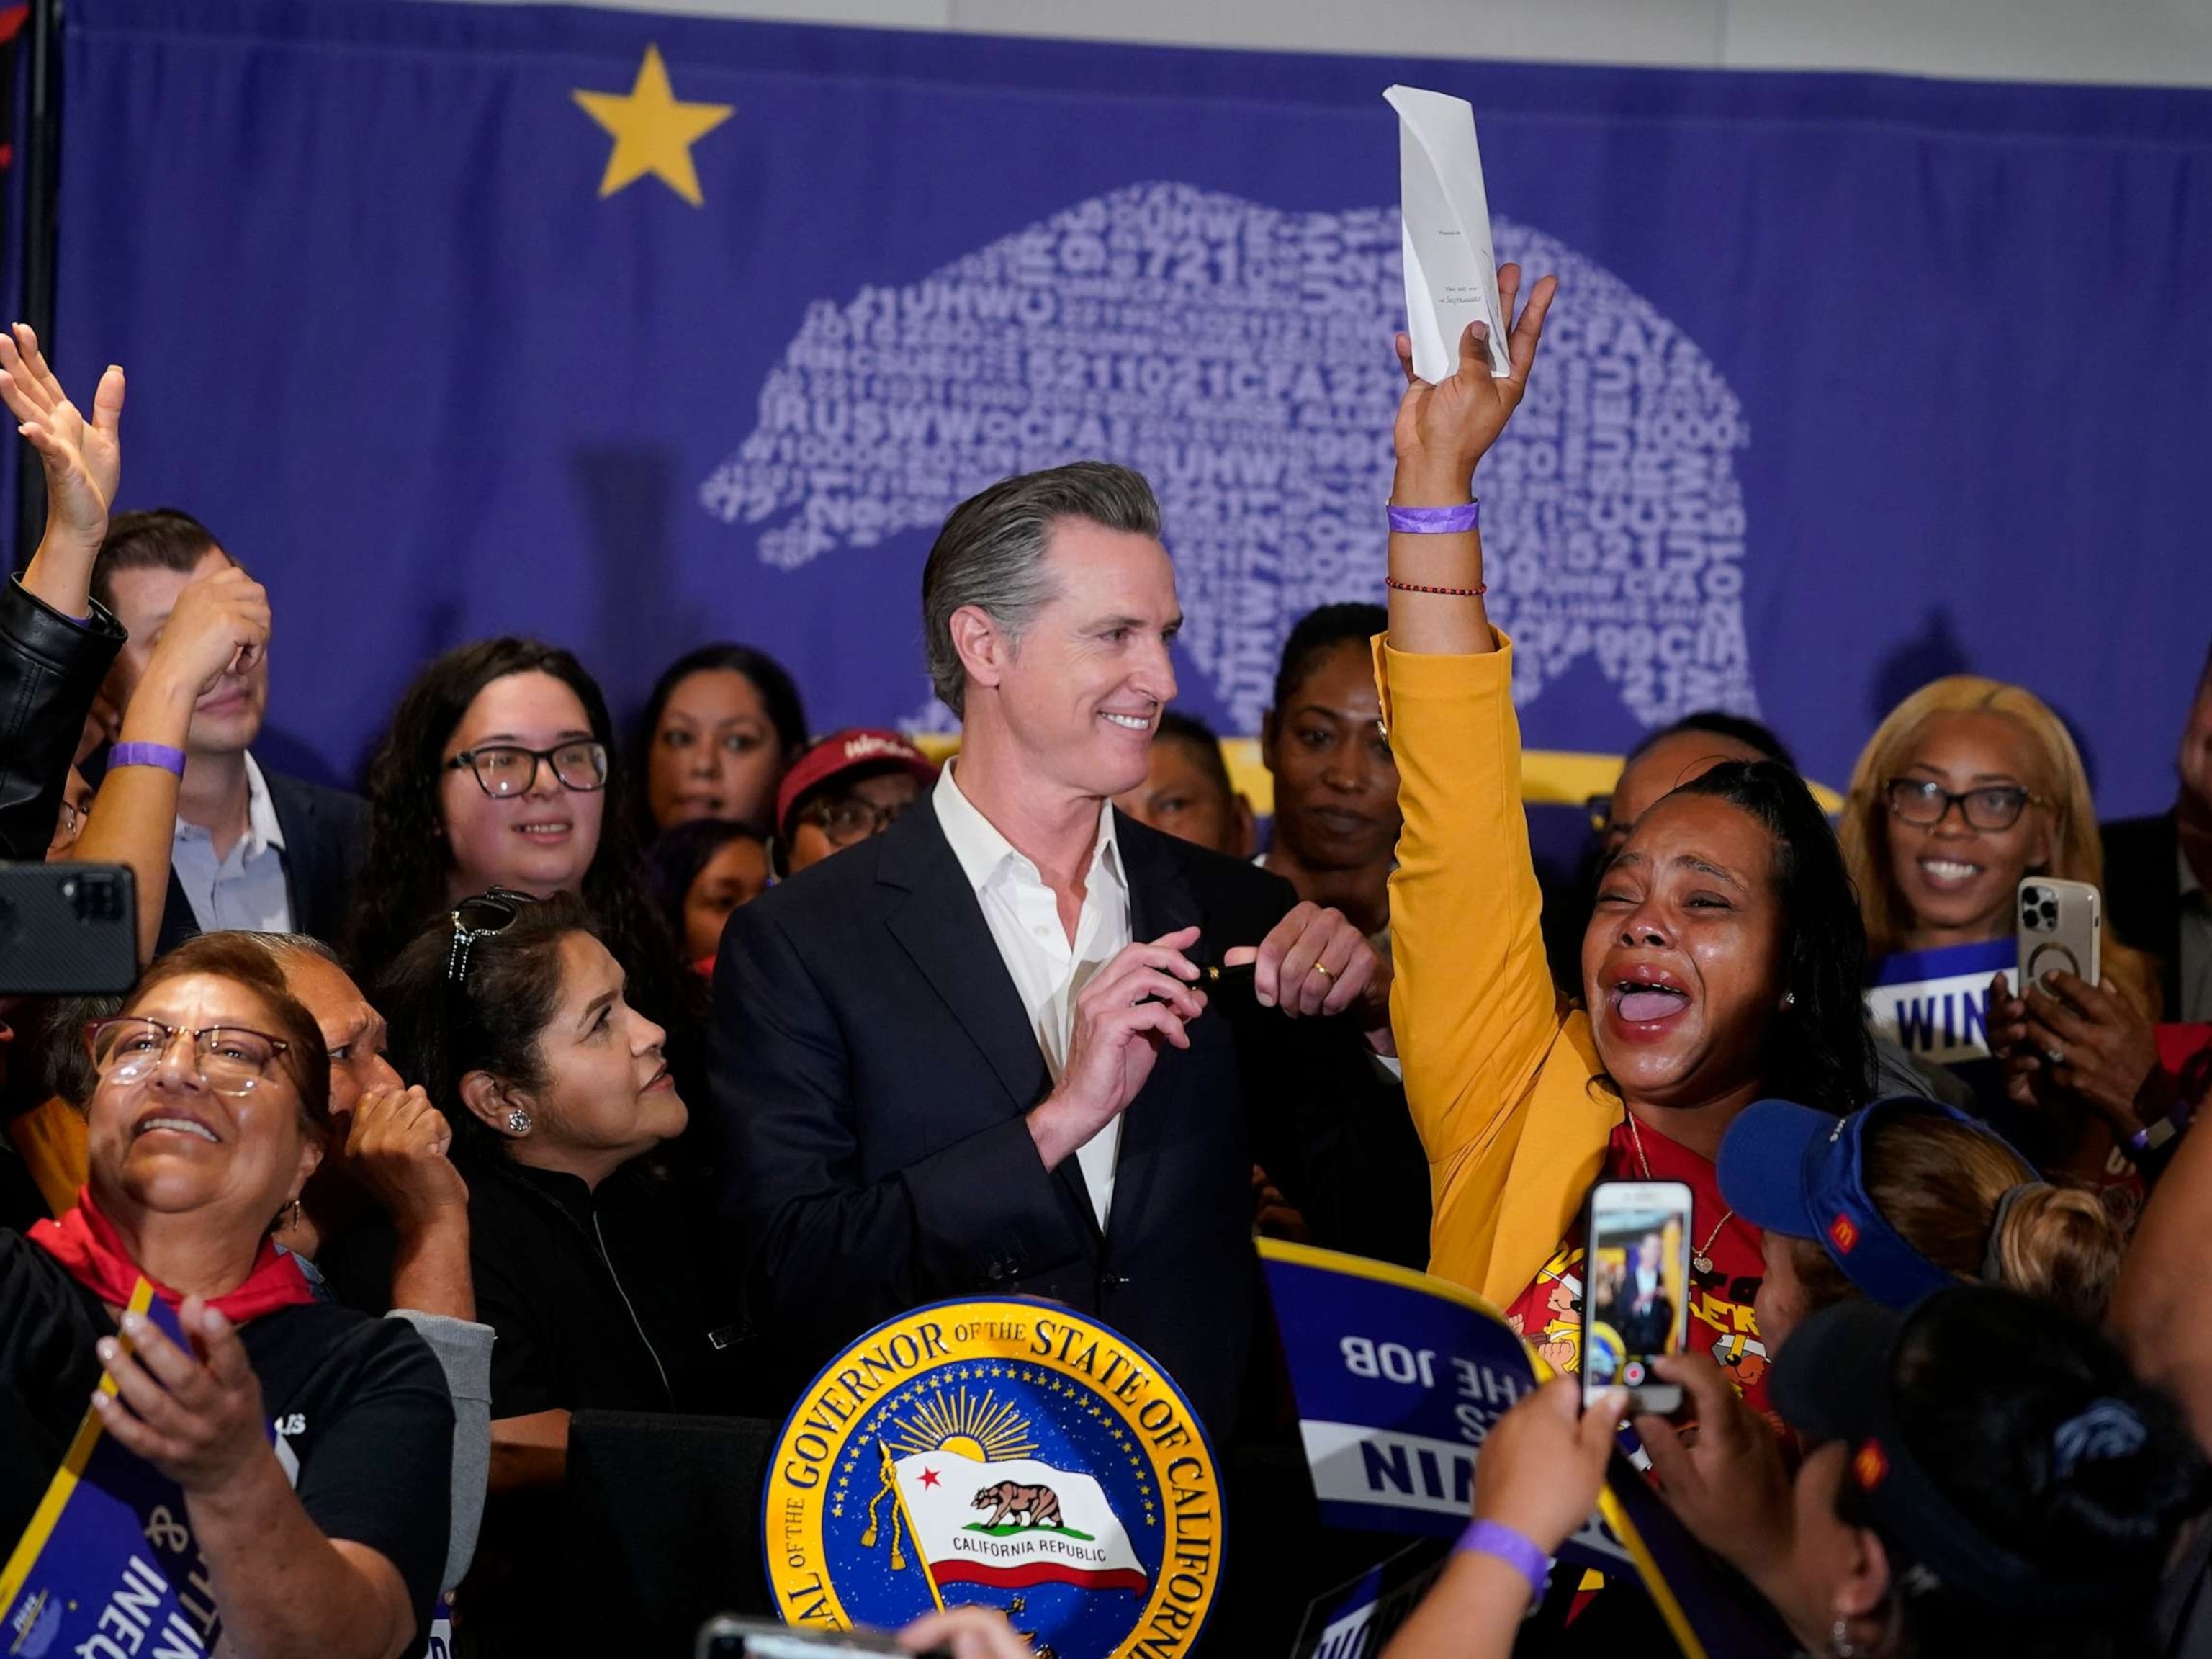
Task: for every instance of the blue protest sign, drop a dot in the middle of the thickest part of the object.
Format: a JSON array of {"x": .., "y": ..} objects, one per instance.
[{"x": 107, "y": 1564}]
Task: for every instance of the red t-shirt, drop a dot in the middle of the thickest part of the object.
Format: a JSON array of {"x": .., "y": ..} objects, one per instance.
[{"x": 1549, "y": 1313}]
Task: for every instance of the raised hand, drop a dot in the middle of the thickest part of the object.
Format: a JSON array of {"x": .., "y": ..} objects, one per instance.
[
  {"x": 195, "y": 1416},
  {"x": 1725, "y": 1480},
  {"x": 397, "y": 1144},
  {"x": 1443, "y": 429},
  {"x": 1314, "y": 962},
  {"x": 220, "y": 626},
  {"x": 1142, "y": 997},
  {"x": 83, "y": 459},
  {"x": 1543, "y": 1463}
]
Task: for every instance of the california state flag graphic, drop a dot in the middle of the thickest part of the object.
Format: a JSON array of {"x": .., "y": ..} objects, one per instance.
[{"x": 1012, "y": 1524}]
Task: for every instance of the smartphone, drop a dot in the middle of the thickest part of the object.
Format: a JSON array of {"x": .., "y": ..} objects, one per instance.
[
  {"x": 67, "y": 929},
  {"x": 1636, "y": 1290},
  {"x": 764, "y": 1638},
  {"x": 2061, "y": 929}
]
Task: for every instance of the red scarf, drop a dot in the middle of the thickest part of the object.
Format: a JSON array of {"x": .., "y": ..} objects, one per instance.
[{"x": 91, "y": 1251}]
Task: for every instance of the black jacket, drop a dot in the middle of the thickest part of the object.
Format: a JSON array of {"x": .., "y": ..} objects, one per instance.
[
  {"x": 51, "y": 667},
  {"x": 325, "y": 833},
  {"x": 2143, "y": 894},
  {"x": 871, "y": 1066}
]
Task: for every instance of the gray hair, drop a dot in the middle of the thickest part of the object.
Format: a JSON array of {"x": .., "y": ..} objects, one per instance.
[
  {"x": 289, "y": 947},
  {"x": 990, "y": 554}
]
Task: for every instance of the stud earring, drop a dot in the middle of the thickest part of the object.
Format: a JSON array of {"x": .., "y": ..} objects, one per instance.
[
  {"x": 1789, "y": 999},
  {"x": 518, "y": 1122},
  {"x": 1839, "y": 1640}
]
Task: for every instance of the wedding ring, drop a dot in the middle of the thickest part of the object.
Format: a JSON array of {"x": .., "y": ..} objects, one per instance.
[
  {"x": 1323, "y": 971},
  {"x": 2056, "y": 1056}
]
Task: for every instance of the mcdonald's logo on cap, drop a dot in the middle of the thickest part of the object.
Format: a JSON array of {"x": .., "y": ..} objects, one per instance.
[
  {"x": 1843, "y": 1234},
  {"x": 1870, "y": 1467}
]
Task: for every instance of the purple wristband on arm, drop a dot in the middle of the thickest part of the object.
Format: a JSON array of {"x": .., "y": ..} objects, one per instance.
[
  {"x": 147, "y": 754},
  {"x": 1435, "y": 520},
  {"x": 1495, "y": 1537}
]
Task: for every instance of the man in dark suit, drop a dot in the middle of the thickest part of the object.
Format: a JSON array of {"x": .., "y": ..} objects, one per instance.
[
  {"x": 2158, "y": 873},
  {"x": 254, "y": 849},
  {"x": 978, "y": 1054}
]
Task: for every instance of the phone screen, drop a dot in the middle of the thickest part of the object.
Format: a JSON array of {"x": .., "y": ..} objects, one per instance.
[{"x": 1637, "y": 1301}]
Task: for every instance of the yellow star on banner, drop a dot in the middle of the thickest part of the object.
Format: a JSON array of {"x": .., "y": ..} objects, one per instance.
[{"x": 652, "y": 132}]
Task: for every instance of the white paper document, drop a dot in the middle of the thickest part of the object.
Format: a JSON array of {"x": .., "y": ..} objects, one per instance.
[{"x": 1451, "y": 277}]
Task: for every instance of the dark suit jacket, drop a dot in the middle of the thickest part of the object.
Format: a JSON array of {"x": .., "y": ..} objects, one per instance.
[
  {"x": 51, "y": 667},
  {"x": 873, "y": 1064},
  {"x": 326, "y": 833},
  {"x": 2142, "y": 893}
]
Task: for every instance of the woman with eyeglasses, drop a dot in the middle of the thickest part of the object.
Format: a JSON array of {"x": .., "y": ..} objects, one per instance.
[
  {"x": 513, "y": 1016},
  {"x": 1968, "y": 786},
  {"x": 498, "y": 770},
  {"x": 210, "y": 1113}
]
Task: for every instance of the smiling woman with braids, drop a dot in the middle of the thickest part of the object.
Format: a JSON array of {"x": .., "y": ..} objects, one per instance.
[
  {"x": 211, "y": 1112},
  {"x": 1722, "y": 962}
]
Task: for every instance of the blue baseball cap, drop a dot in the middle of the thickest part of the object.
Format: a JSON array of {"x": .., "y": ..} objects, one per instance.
[{"x": 1788, "y": 1168}]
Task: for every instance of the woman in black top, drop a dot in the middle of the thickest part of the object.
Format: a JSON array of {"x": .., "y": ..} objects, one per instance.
[
  {"x": 208, "y": 1116},
  {"x": 513, "y": 1015}
]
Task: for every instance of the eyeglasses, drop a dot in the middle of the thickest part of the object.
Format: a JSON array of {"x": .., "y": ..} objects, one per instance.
[
  {"x": 1924, "y": 802},
  {"x": 231, "y": 1060},
  {"x": 480, "y": 917},
  {"x": 849, "y": 818},
  {"x": 507, "y": 769}
]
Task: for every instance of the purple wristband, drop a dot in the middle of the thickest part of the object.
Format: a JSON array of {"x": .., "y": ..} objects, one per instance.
[
  {"x": 1435, "y": 520},
  {"x": 1495, "y": 1537},
  {"x": 147, "y": 754}
]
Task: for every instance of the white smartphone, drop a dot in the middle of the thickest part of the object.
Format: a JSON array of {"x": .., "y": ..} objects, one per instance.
[
  {"x": 2061, "y": 929},
  {"x": 1636, "y": 1290}
]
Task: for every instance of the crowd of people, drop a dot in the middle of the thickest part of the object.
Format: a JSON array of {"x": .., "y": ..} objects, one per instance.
[{"x": 573, "y": 1068}]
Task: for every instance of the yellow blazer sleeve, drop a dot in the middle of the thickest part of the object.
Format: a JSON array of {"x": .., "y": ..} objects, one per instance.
[{"x": 1472, "y": 1002}]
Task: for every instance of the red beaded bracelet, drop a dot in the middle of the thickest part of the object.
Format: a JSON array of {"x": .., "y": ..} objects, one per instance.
[{"x": 1474, "y": 592}]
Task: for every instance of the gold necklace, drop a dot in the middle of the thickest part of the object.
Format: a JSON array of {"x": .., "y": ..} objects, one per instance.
[{"x": 1701, "y": 1260}]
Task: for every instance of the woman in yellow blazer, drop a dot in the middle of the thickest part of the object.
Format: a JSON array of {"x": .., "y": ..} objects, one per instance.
[{"x": 1723, "y": 962}]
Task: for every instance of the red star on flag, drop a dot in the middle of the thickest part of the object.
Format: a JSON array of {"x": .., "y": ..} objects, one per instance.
[{"x": 929, "y": 1477}]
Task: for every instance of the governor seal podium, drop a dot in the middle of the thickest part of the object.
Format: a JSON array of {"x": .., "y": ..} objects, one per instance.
[{"x": 1004, "y": 1452}]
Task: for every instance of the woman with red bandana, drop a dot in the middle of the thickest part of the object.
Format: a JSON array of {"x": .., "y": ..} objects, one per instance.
[
  {"x": 210, "y": 1113},
  {"x": 1722, "y": 962}
]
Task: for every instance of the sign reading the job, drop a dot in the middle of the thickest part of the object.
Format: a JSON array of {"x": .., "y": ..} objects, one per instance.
[{"x": 1005, "y": 1452}]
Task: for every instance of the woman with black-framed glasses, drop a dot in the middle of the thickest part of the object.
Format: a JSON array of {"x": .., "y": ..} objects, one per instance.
[
  {"x": 210, "y": 1112},
  {"x": 500, "y": 771},
  {"x": 1967, "y": 786}
]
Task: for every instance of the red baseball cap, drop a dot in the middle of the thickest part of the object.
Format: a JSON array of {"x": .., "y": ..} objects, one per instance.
[{"x": 857, "y": 751}]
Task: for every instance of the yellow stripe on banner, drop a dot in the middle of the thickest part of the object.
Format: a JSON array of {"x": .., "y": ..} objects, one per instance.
[
  {"x": 1549, "y": 777},
  {"x": 1663, "y": 1593},
  {"x": 63, "y": 1484}
]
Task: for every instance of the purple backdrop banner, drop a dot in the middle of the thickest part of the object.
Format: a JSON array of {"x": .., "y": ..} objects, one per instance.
[{"x": 637, "y": 331}]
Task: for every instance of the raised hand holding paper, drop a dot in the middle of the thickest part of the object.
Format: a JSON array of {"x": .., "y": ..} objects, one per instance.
[{"x": 1451, "y": 276}]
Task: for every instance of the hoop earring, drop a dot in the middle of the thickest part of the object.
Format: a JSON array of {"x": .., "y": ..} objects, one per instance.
[{"x": 518, "y": 1122}]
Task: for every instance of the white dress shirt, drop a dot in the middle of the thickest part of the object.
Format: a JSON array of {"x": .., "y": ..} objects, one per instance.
[
  {"x": 246, "y": 890},
  {"x": 1048, "y": 971}
]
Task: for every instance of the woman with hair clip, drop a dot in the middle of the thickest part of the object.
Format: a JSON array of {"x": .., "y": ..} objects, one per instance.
[
  {"x": 497, "y": 772},
  {"x": 513, "y": 1015},
  {"x": 1722, "y": 961},
  {"x": 210, "y": 1112},
  {"x": 1965, "y": 787},
  {"x": 1986, "y": 1476},
  {"x": 1903, "y": 1198}
]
